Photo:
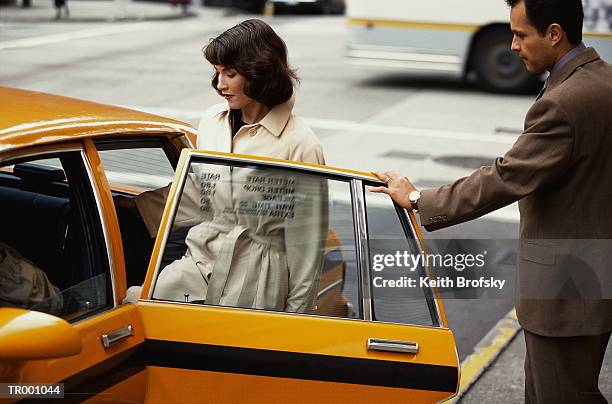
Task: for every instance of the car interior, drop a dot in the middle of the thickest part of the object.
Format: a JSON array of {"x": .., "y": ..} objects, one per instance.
[{"x": 50, "y": 220}]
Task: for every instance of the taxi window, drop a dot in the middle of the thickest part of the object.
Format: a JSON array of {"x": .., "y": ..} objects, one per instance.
[
  {"x": 262, "y": 237},
  {"x": 136, "y": 166},
  {"x": 52, "y": 251},
  {"x": 395, "y": 266}
]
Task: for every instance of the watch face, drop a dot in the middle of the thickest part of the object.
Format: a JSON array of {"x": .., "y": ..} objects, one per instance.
[{"x": 414, "y": 196}]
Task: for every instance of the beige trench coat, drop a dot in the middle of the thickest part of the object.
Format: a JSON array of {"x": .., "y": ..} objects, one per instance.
[{"x": 241, "y": 251}]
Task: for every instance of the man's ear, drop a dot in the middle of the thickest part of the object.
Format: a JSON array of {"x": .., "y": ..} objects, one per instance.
[{"x": 555, "y": 34}]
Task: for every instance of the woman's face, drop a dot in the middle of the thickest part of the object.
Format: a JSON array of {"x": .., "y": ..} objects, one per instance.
[{"x": 231, "y": 86}]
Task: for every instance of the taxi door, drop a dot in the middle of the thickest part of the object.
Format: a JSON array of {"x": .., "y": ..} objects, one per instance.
[{"x": 266, "y": 285}]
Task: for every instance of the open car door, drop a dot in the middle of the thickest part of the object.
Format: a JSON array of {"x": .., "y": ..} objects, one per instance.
[{"x": 270, "y": 281}]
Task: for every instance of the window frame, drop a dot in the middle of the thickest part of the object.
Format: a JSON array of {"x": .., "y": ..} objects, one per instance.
[
  {"x": 243, "y": 163},
  {"x": 357, "y": 191},
  {"x": 50, "y": 151},
  {"x": 411, "y": 237}
]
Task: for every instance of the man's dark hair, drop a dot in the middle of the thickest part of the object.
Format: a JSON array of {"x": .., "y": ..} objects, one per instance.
[
  {"x": 255, "y": 51},
  {"x": 567, "y": 13}
]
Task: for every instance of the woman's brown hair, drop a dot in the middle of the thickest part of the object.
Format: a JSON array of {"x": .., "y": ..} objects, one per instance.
[{"x": 255, "y": 51}]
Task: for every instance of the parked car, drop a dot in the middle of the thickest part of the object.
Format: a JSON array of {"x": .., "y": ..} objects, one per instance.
[
  {"x": 322, "y": 6},
  {"x": 73, "y": 254},
  {"x": 259, "y": 6}
]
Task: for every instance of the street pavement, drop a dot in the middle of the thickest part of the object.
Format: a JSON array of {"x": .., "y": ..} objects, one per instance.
[
  {"x": 95, "y": 11},
  {"x": 503, "y": 382}
]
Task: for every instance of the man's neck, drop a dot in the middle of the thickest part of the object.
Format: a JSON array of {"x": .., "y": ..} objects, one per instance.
[{"x": 566, "y": 53}]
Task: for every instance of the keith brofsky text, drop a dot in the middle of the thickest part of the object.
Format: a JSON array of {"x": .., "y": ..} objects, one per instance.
[{"x": 463, "y": 267}]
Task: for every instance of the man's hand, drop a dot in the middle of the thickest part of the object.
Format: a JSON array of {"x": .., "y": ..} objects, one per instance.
[{"x": 398, "y": 188}]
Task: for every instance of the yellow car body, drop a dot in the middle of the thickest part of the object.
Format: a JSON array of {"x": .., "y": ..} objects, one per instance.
[{"x": 103, "y": 350}]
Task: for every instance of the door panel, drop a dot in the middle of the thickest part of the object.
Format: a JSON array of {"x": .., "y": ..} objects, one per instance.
[
  {"x": 308, "y": 348},
  {"x": 95, "y": 360},
  {"x": 291, "y": 333},
  {"x": 169, "y": 384},
  {"x": 127, "y": 386}
]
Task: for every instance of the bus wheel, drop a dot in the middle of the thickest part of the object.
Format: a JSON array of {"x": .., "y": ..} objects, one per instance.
[
  {"x": 330, "y": 6},
  {"x": 498, "y": 68},
  {"x": 324, "y": 7}
]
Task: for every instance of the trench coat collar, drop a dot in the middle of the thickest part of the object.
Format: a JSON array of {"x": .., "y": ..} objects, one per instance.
[
  {"x": 589, "y": 55},
  {"x": 276, "y": 120}
]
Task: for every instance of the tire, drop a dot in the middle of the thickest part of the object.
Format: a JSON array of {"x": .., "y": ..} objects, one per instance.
[
  {"x": 337, "y": 7},
  {"x": 255, "y": 6},
  {"x": 498, "y": 68},
  {"x": 324, "y": 6}
]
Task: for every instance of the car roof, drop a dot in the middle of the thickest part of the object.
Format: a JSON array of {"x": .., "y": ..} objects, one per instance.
[{"x": 29, "y": 118}]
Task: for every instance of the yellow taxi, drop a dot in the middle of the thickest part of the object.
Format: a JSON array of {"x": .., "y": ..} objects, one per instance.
[{"x": 258, "y": 280}]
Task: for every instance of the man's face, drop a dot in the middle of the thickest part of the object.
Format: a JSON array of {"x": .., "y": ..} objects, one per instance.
[{"x": 535, "y": 50}]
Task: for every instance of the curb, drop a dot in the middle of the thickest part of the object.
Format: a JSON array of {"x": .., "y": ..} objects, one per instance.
[{"x": 486, "y": 352}]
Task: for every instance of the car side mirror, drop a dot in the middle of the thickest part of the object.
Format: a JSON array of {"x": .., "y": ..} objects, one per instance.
[{"x": 27, "y": 335}]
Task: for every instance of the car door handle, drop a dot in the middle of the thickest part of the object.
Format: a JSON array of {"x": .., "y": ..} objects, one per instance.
[
  {"x": 117, "y": 335},
  {"x": 386, "y": 345}
]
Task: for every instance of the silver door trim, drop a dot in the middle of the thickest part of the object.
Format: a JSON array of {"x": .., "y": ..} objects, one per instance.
[{"x": 362, "y": 247}]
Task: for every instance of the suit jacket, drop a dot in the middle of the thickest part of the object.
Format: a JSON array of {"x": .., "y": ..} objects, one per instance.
[{"x": 560, "y": 169}]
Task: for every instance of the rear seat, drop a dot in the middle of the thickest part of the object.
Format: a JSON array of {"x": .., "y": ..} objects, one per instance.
[{"x": 37, "y": 225}]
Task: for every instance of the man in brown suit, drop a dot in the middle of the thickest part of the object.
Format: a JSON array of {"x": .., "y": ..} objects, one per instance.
[{"x": 560, "y": 171}]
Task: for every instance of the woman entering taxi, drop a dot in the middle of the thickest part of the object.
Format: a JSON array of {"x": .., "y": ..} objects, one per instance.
[{"x": 241, "y": 259}]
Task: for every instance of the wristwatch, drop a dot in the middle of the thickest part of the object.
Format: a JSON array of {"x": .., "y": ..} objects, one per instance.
[{"x": 414, "y": 200}]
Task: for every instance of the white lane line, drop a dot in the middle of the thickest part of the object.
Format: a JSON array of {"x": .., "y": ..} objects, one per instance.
[
  {"x": 70, "y": 36},
  {"x": 354, "y": 126},
  {"x": 351, "y": 126}
]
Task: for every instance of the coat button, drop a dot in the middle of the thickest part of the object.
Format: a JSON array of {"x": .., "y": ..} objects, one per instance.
[{"x": 252, "y": 132}]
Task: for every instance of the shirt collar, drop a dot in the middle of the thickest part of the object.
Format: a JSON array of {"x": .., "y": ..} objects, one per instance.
[
  {"x": 276, "y": 119},
  {"x": 566, "y": 58}
]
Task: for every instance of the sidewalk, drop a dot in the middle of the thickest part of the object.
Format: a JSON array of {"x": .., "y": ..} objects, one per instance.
[
  {"x": 503, "y": 382},
  {"x": 96, "y": 11}
]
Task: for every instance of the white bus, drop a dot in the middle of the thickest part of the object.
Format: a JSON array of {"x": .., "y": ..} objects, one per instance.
[{"x": 464, "y": 39}]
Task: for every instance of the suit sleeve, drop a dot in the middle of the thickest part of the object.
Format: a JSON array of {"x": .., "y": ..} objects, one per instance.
[{"x": 540, "y": 156}]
